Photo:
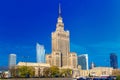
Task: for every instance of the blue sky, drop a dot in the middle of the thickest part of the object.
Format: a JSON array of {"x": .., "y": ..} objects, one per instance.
[{"x": 94, "y": 27}]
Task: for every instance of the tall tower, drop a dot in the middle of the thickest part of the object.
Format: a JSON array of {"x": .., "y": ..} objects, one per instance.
[
  {"x": 12, "y": 60},
  {"x": 113, "y": 60},
  {"x": 61, "y": 55},
  {"x": 60, "y": 43},
  {"x": 83, "y": 61},
  {"x": 40, "y": 53}
]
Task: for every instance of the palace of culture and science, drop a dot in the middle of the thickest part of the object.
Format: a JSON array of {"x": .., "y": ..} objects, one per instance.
[{"x": 61, "y": 55}]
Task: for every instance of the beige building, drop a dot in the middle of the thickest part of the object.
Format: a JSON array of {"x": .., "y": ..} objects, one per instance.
[
  {"x": 38, "y": 67},
  {"x": 97, "y": 71},
  {"x": 61, "y": 55},
  {"x": 72, "y": 63}
]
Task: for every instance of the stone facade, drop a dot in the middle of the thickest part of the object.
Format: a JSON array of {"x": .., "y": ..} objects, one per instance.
[
  {"x": 61, "y": 55},
  {"x": 49, "y": 59},
  {"x": 72, "y": 62},
  {"x": 37, "y": 66},
  {"x": 97, "y": 71}
]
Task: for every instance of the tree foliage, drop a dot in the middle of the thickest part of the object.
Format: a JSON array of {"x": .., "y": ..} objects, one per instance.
[
  {"x": 26, "y": 71},
  {"x": 51, "y": 72},
  {"x": 46, "y": 72},
  {"x": 13, "y": 71},
  {"x": 118, "y": 78},
  {"x": 66, "y": 73},
  {"x": 56, "y": 72}
]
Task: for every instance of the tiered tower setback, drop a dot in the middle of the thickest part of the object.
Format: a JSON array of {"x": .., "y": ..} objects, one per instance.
[{"x": 61, "y": 55}]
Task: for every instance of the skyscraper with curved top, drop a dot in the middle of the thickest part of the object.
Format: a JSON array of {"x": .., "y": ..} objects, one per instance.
[{"x": 40, "y": 53}]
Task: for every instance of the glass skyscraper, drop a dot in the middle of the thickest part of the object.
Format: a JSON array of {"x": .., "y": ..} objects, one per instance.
[
  {"x": 40, "y": 53},
  {"x": 12, "y": 60},
  {"x": 113, "y": 61},
  {"x": 83, "y": 61}
]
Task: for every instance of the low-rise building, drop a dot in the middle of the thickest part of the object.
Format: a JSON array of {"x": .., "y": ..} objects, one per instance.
[
  {"x": 97, "y": 71},
  {"x": 38, "y": 66}
]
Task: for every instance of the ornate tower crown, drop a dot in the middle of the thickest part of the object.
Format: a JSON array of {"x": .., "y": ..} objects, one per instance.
[{"x": 60, "y": 24}]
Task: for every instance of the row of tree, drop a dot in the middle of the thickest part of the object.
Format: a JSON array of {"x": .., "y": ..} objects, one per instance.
[
  {"x": 56, "y": 72},
  {"x": 22, "y": 71},
  {"x": 27, "y": 71}
]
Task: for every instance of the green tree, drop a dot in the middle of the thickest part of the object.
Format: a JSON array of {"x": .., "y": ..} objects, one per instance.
[
  {"x": 13, "y": 71},
  {"x": 54, "y": 70},
  {"x": 26, "y": 71},
  {"x": 66, "y": 72},
  {"x": 118, "y": 78},
  {"x": 46, "y": 72},
  {"x": 51, "y": 72}
]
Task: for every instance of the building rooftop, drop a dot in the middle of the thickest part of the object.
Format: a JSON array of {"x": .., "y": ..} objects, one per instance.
[{"x": 32, "y": 64}]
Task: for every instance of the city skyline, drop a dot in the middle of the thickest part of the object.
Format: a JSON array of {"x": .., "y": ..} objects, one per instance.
[{"x": 94, "y": 28}]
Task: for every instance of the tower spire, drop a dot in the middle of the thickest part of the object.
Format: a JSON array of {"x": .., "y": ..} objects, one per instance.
[
  {"x": 60, "y": 24},
  {"x": 59, "y": 10}
]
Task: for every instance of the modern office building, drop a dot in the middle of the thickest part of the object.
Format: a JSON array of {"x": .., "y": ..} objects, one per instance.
[
  {"x": 40, "y": 53},
  {"x": 61, "y": 55},
  {"x": 113, "y": 61},
  {"x": 12, "y": 60},
  {"x": 83, "y": 61}
]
